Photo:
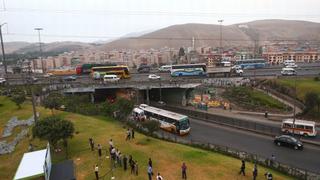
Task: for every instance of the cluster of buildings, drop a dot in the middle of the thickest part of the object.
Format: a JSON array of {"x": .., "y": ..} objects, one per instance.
[
  {"x": 278, "y": 53},
  {"x": 274, "y": 53}
]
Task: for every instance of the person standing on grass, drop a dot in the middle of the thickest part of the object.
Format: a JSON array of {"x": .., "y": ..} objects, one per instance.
[
  {"x": 184, "y": 170},
  {"x": 91, "y": 144},
  {"x": 111, "y": 143},
  {"x": 128, "y": 134},
  {"x": 125, "y": 161},
  {"x": 132, "y": 133},
  {"x": 243, "y": 167},
  {"x": 120, "y": 159},
  {"x": 99, "y": 151},
  {"x": 96, "y": 171},
  {"x": 132, "y": 165},
  {"x": 150, "y": 172},
  {"x": 136, "y": 168},
  {"x": 255, "y": 172},
  {"x": 159, "y": 177},
  {"x": 150, "y": 162}
]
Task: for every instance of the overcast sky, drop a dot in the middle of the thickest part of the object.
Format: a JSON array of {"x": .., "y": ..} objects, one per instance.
[{"x": 93, "y": 20}]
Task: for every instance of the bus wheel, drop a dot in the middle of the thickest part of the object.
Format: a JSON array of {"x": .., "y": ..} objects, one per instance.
[
  {"x": 180, "y": 74},
  {"x": 286, "y": 132},
  {"x": 305, "y": 135},
  {"x": 279, "y": 143}
]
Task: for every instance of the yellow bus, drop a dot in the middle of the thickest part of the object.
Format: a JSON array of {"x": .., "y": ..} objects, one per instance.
[{"x": 121, "y": 71}]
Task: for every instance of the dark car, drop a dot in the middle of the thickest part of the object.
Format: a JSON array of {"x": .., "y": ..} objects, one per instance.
[
  {"x": 69, "y": 78},
  {"x": 289, "y": 141}
]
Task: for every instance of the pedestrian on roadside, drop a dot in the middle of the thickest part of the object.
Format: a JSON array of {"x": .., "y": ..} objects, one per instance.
[
  {"x": 242, "y": 169},
  {"x": 150, "y": 162},
  {"x": 132, "y": 133},
  {"x": 184, "y": 170},
  {"x": 128, "y": 135},
  {"x": 125, "y": 161},
  {"x": 159, "y": 177},
  {"x": 91, "y": 143},
  {"x": 272, "y": 161},
  {"x": 255, "y": 172},
  {"x": 99, "y": 151},
  {"x": 150, "y": 172},
  {"x": 96, "y": 171},
  {"x": 136, "y": 168}
]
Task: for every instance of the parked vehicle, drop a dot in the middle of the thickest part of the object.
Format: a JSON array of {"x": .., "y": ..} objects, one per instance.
[
  {"x": 289, "y": 141},
  {"x": 69, "y": 78},
  {"x": 154, "y": 76},
  {"x": 286, "y": 62},
  {"x": 47, "y": 75},
  {"x": 143, "y": 68},
  {"x": 111, "y": 78},
  {"x": 300, "y": 127},
  {"x": 2, "y": 81},
  {"x": 288, "y": 71}
]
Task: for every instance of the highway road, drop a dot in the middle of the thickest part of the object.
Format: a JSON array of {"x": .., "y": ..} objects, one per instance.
[{"x": 204, "y": 132}]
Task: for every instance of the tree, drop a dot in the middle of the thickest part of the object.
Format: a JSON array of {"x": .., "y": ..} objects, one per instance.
[
  {"x": 53, "y": 129},
  {"x": 18, "y": 98},
  {"x": 310, "y": 100},
  {"x": 151, "y": 125},
  {"x": 53, "y": 101}
]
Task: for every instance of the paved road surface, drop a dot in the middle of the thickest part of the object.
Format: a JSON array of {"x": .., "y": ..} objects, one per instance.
[{"x": 308, "y": 158}]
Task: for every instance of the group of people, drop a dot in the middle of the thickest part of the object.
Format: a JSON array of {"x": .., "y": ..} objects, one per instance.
[{"x": 268, "y": 175}]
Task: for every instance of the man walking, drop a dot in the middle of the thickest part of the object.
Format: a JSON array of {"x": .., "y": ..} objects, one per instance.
[
  {"x": 255, "y": 172},
  {"x": 128, "y": 135},
  {"x": 96, "y": 171},
  {"x": 132, "y": 133},
  {"x": 125, "y": 160},
  {"x": 150, "y": 173},
  {"x": 99, "y": 151},
  {"x": 91, "y": 144},
  {"x": 243, "y": 167},
  {"x": 150, "y": 162},
  {"x": 184, "y": 170}
]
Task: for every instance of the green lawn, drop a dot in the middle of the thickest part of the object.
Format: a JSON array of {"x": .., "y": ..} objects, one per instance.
[
  {"x": 304, "y": 85},
  {"x": 167, "y": 157},
  {"x": 252, "y": 99}
]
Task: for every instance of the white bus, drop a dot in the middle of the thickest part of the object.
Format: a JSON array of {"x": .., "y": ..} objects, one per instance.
[
  {"x": 170, "y": 121},
  {"x": 301, "y": 127}
]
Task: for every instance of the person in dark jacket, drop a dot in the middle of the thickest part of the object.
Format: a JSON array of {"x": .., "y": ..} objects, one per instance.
[
  {"x": 99, "y": 150},
  {"x": 184, "y": 171},
  {"x": 242, "y": 169},
  {"x": 255, "y": 172},
  {"x": 150, "y": 162},
  {"x": 125, "y": 161},
  {"x": 91, "y": 144}
]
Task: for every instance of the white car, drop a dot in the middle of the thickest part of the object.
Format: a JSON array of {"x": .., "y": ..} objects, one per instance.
[
  {"x": 291, "y": 65},
  {"x": 236, "y": 67},
  {"x": 2, "y": 80},
  {"x": 153, "y": 76},
  {"x": 47, "y": 75},
  {"x": 111, "y": 78}
]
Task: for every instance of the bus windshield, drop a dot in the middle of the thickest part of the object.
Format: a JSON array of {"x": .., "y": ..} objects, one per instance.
[{"x": 184, "y": 124}]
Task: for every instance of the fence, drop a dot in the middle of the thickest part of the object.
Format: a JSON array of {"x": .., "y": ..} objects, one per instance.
[
  {"x": 229, "y": 121},
  {"x": 292, "y": 171}
]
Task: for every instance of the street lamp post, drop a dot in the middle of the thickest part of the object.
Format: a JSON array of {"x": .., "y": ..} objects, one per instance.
[
  {"x": 220, "y": 44},
  {"x": 2, "y": 47},
  {"x": 40, "y": 48}
]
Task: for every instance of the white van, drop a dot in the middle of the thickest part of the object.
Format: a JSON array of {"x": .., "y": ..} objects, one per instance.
[
  {"x": 110, "y": 78},
  {"x": 165, "y": 68},
  {"x": 286, "y": 62},
  {"x": 288, "y": 72}
]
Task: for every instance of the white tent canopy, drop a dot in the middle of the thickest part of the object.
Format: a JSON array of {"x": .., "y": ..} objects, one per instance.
[{"x": 31, "y": 165}]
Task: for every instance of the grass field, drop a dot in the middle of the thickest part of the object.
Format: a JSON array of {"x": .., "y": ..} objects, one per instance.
[
  {"x": 167, "y": 157},
  {"x": 252, "y": 99},
  {"x": 304, "y": 85}
]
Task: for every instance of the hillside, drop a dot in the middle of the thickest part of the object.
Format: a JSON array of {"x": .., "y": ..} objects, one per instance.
[{"x": 241, "y": 34}]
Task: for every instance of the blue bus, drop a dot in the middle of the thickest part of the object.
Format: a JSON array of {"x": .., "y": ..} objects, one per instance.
[
  {"x": 189, "y": 70},
  {"x": 252, "y": 63}
]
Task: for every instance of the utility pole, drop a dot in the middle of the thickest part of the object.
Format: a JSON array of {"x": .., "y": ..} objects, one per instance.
[
  {"x": 2, "y": 47},
  {"x": 294, "y": 104},
  {"x": 30, "y": 83},
  {"x": 220, "y": 44},
  {"x": 42, "y": 65}
]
